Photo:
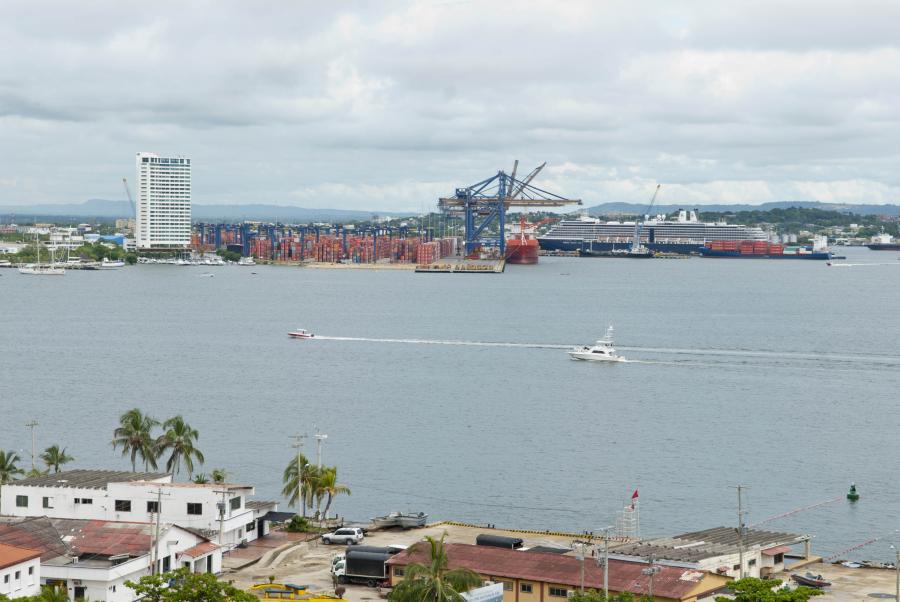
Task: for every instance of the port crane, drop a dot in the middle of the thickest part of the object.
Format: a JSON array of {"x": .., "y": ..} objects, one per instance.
[
  {"x": 639, "y": 224},
  {"x": 484, "y": 205}
]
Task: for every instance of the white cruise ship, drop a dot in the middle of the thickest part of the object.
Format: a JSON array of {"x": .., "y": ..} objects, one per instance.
[{"x": 683, "y": 233}]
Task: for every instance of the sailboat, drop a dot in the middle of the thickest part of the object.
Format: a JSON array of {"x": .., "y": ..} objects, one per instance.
[{"x": 36, "y": 269}]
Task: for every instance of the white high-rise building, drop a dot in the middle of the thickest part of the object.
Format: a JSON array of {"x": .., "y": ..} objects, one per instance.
[{"x": 163, "y": 211}]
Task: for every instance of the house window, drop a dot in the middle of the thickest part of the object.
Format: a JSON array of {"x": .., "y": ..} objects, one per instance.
[
  {"x": 167, "y": 564},
  {"x": 558, "y": 592},
  {"x": 194, "y": 508},
  {"x": 31, "y": 570},
  {"x": 251, "y": 527},
  {"x": 123, "y": 505},
  {"x": 507, "y": 586},
  {"x": 87, "y": 501},
  {"x": 18, "y": 575},
  {"x": 5, "y": 578},
  {"x": 48, "y": 502},
  {"x": 525, "y": 588},
  {"x": 235, "y": 503},
  {"x": 399, "y": 571},
  {"x": 779, "y": 558},
  {"x": 736, "y": 567},
  {"x": 21, "y": 501},
  {"x": 153, "y": 507},
  {"x": 752, "y": 562}
]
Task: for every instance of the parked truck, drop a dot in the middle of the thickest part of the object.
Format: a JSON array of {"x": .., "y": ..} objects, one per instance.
[{"x": 363, "y": 564}]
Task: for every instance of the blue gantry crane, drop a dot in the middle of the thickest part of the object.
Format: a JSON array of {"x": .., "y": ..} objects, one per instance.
[{"x": 485, "y": 203}]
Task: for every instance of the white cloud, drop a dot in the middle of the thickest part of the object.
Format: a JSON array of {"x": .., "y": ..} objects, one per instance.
[{"x": 388, "y": 105}]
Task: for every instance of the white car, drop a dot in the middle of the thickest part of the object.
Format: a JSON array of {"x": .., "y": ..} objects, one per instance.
[{"x": 346, "y": 535}]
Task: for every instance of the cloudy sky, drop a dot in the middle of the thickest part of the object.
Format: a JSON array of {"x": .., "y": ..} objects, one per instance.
[{"x": 383, "y": 105}]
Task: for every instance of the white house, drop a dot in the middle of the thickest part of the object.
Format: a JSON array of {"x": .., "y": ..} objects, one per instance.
[
  {"x": 218, "y": 511},
  {"x": 20, "y": 572},
  {"x": 93, "y": 559},
  {"x": 717, "y": 550}
]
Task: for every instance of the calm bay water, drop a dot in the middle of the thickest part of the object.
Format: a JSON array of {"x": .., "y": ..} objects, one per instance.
[{"x": 785, "y": 379}]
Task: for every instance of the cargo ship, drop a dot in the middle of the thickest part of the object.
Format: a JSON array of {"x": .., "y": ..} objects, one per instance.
[
  {"x": 521, "y": 247},
  {"x": 884, "y": 242},
  {"x": 682, "y": 233},
  {"x": 760, "y": 249}
]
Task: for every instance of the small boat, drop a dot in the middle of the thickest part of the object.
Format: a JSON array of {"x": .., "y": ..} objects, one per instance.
[
  {"x": 407, "y": 520},
  {"x": 810, "y": 580},
  {"x": 246, "y": 261},
  {"x": 41, "y": 270},
  {"x": 601, "y": 351},
  {"x": 412, "y": 521},
  {"x": 110, "y": 264},
  {"x": 301, "y": 333}
]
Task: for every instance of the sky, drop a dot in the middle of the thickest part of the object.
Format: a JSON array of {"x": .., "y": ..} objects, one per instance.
[{"x": 389, "y": 105}]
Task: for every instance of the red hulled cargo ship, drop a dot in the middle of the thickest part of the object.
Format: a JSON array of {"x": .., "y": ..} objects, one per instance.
[{"x": 522, "y": 249}]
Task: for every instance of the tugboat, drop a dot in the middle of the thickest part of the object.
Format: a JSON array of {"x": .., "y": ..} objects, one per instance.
[{"x": 601, "y": 351}]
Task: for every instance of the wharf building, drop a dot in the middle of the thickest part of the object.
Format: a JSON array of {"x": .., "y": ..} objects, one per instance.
[
  {"x": 92, "y": 559},
  {"x": 218, "y": 511},
  {"x": 718, "y": 550},
  {"x": 163, "y": 202},
  {"x": 541, "y": 576}
]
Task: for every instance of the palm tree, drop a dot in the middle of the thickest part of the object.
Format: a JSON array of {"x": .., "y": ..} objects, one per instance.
[
  {"x": 433, "y": 582},
  {"x": 308, "y": 478},
  {"x": 9, "y": 468},
  {"x": 36, "y": 472},
  {"x": 178, "y": 440},
  {"x": 54, "y": 457},
  {"x": 201, "y": 479},
  {"x": 328, "y": 485},
  {"x": 135, "y": 436},
  {"x": 218, "y": 475}
]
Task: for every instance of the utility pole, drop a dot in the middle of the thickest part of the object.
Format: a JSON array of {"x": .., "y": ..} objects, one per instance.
[
  {"x": 222, "y": 515},
  {"x": 740, "y": 530},
  {"x": 31, "y": 425},
  {"x": 154, "y": 550},
  {"x": 604, "y": 562},
  {"x": 320, "y": 437},
  {"x": 580, "y": 555},
  {"x": 298, "y": 445},
  {"x": 650, "y": 571}
]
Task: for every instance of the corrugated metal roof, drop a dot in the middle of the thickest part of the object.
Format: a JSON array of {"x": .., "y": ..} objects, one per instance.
[
  {"x": 700, "y": 545},
  {"x": 88, "y": 479},
  {"x": 35, "y": 533},
  {"x": 776, "y": 550},
  {"x": 105, "y": 538},
  {"x": 669, "y": 582}
]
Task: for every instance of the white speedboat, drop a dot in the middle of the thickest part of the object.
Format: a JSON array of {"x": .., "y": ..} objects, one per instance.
[
  {"x": 301, "y": 333},
  {"x": 246, "y": 261},
  {"x": 601, "y": 351},
  {"x": 110, "y": 264}
]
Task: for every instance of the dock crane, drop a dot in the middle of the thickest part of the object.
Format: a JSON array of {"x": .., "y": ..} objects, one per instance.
[
  {"x": 639, "y": 224},
  {"x": 485, "y": 204}
]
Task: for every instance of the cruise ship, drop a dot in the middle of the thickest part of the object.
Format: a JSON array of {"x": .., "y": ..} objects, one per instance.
[{"x": 682, "y": 233}]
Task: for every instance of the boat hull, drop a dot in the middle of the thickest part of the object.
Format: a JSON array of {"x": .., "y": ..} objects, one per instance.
[
  {"x": 298, "y": 335},
  {"x": 577, "y": 245},
  {"x": 522, "y": 252},
  {"x": 885, "y": 246},
  {"x": 586, "y": 356}
]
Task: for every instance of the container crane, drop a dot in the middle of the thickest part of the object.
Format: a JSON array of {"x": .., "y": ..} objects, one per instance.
[
  {"x": 639, "y": 224},
  {"x": 486, "y": 202}
]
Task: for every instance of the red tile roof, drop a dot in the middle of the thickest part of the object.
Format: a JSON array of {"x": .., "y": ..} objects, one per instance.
[
  {"x": 105, "y": 538},
  {"x": 624, "y": 576},
  {"x": 10, "y": 555},
  {"x": 201, "y": 549},
  {"x": 777, "y": 550}
]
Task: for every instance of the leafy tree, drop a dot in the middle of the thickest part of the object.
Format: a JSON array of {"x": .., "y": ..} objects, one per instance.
[
  {"x": 131, "y": 258},
  {"x": 37, "y": 472},
  {"x": 751, "y": 589},
  {"x": 135, "y": 436},
  {"x": 54, "y": 457},
  {"x": 201, "y": 478},
  {"x": 9, "y": 467},
  {"x": 327, "y": 484},
  {"x": 219, "y": 475},
  {"x": 48, "y": 594},
  {"x": 178, "y": 441},
  {"x": 298, "y": 524},
  {"x": 184, "y": 586},
  {"x": 308, "y": 476},
  {"x": 433, "y": 582}
]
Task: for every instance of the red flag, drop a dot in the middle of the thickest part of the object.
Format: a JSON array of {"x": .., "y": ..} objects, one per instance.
[{"x": 634, "y": 495}]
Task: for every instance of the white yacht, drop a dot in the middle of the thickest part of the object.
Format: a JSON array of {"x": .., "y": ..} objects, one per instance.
[
  {"x": 601, "y": 351},
  {"x": 246, "y": 261},
  {"x": 110, "y": 264}
]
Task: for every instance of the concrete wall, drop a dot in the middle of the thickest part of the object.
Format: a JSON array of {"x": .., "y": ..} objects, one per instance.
[{"x": 28, "y": 582}]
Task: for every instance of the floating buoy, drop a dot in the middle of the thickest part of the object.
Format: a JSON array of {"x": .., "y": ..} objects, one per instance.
[{"x": 852, "y": 495}]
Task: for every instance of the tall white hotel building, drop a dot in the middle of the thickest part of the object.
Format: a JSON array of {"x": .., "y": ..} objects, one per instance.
[{"x": 163, "y": 202}]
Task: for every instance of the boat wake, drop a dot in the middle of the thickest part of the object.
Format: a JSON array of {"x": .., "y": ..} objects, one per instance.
[{"x": 725, "y": 353}]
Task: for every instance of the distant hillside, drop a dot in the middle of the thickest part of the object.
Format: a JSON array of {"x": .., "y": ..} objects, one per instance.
[
  {"x": 106, "y": 209},
  {"x": 637, "y": 209}
]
